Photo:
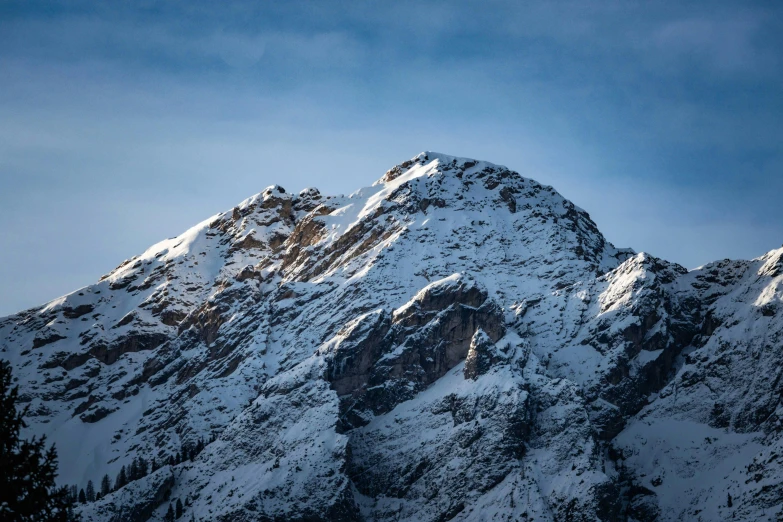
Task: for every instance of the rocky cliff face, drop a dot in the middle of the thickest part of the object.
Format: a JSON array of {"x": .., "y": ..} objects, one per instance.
[{"x": 455, "y": 342}]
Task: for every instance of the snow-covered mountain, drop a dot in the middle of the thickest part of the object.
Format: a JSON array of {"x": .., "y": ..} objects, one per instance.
[{"x": 454, "y": 342}]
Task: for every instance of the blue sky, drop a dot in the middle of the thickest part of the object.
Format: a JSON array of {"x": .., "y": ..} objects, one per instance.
[{"x": 123, "y": 123}]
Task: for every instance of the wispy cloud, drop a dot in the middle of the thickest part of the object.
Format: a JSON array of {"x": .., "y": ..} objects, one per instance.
[{"x": 728, "y": 45}]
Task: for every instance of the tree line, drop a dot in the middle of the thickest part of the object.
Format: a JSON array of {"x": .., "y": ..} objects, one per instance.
[{"x": 138, "y": 469}]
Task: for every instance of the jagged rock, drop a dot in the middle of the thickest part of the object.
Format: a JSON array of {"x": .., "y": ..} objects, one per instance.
[
  {"x": 480, "y": 357},
  {"x": 249, "y": 272},
  {"x": 110, "y": 352},
  {"x": 95, "y": 414},
  {"x": 44, "y": 338},
  {"x": 78, "y": 311}
]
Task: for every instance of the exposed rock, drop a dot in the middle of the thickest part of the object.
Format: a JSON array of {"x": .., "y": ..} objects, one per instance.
[
  {"x": 126, "y": 319},
  {"x": 248, "y": 272},
  {"x": 43, "y": 338},
  {"x": 76, "y": 312},
  {"x": 172, "y": 317},
  {"x": 480, "y": 356},
  {"x": 95, "y": 414},
  {"x": 507, "y": 195},
  {"x": 248, "y": 242},
  {"x": 109, "y": 352}
]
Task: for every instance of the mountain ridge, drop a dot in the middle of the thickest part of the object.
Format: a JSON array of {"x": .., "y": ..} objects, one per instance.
[{"x": 454, "y": 342}]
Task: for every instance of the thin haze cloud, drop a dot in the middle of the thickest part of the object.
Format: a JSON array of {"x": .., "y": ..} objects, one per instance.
[{"x": 127, "y": 123}]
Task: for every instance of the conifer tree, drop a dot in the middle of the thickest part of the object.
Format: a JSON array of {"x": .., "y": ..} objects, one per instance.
[
  {"x": 82, "y": 497},
  {"x": 105, "y": 485},
  {"x": 133, "y": 470},
  {"x": 90, "y": 492},
  {"x": 122, "y": 479},
  {"x": 169, "y": 517},
  {"x": 178, "y": 513},
  {"x": 27, "y": 469}
]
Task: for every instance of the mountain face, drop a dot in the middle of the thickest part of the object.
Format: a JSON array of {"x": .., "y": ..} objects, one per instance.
[{"x": 454, "y": 342}]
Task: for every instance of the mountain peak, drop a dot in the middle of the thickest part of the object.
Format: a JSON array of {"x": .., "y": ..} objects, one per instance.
[
  {"x": 436, "y": 161},
  {"x": 454, "y": 340}
]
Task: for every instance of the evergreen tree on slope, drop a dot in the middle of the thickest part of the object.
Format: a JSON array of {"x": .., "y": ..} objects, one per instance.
[{"x": 27, "y": 468}]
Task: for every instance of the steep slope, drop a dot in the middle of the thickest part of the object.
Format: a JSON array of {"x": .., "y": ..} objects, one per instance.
[
  {"x": 454, "y": 342},
  {"x": 713, "y": 433}
]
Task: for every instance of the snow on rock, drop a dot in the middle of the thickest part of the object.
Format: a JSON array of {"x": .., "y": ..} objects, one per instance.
[{"x": 453, "y": 342}]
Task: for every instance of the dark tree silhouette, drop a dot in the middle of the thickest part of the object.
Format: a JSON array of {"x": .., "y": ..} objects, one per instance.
[
  {"x": 122, "y": 479},
  {"x": 178, "y": 513},
  {"x": 169, "y": 516},
  {"x": 27, "y": 469},
  {"x": 133, "y": 470},
  {"x": 105, "y": 485}
]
